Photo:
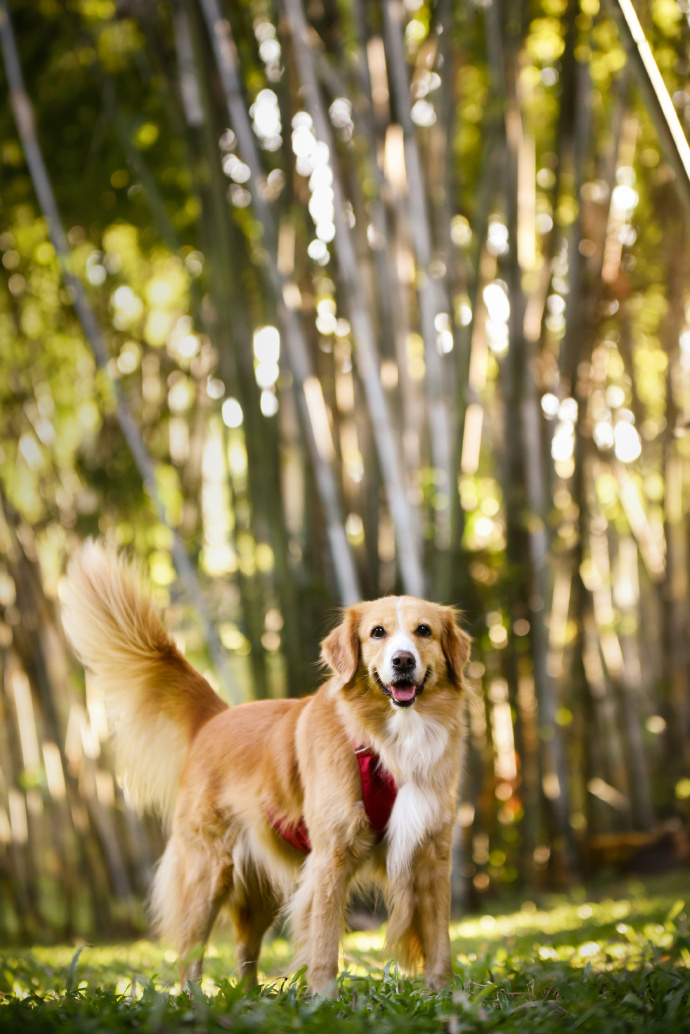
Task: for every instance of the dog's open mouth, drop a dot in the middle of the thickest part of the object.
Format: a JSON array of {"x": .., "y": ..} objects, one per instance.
[{"x": 402, "y": 692}]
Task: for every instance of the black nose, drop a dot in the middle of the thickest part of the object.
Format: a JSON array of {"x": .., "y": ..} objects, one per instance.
[{"x": 403, "y": 661}]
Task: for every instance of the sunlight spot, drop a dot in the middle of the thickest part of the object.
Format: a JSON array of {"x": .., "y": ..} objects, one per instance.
[
  {"x": 269, "y": 402},
  {"x": 496, "y": 301},
  {"x": 627, "y": 443},
  {"x": 550, "y": 405},
  {"x": 232, "y": 413},
  {"x": 423, "y": 113}
]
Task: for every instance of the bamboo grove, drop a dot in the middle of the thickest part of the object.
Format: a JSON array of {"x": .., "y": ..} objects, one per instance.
[{"x": 307, "y": 301}]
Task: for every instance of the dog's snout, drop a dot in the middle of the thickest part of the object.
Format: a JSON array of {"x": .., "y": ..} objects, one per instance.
[{"x": 403, "y": 661}]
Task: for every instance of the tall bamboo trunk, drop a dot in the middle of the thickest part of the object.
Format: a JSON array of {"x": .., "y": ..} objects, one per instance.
[
  {"x": 220, "y": 35},
  {"x": 366, "y": 353}
]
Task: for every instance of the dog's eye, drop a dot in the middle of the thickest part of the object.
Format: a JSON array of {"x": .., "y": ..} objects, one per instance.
[
  {"x": 424, "y": 631},
  {"x": 378, "y": 632}
]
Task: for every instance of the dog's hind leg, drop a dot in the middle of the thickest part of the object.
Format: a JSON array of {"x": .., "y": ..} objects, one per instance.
[
  {"x": 191, "y": 884},
  {"x": 253, "y": 907}
]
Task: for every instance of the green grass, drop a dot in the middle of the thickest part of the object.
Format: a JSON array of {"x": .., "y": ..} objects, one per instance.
[{"x": 612, "y": 964}]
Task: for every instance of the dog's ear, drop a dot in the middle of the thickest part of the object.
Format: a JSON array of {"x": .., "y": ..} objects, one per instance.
[
  {"x": 340, "y": 649},
  {"x": 456, "y": 646}
]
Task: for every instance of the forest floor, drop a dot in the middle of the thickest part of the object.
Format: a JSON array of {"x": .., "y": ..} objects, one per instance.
[{"x": 611, "y": 960}]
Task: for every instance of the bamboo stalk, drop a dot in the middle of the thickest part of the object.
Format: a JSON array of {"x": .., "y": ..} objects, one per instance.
[
  {"x": 408, "y": 547},
  {"x": 525, "y": 467},
  {"x": 382, "y": 255},
  {"x": 630, "y": 691},
  {"x": 431, "y": 293},
  {"x": 228, "y": 324},
  {"x": 673, "y": 590},
  {"x": 653, "y": 88},
  {"x": 605, "y": 752},
  {"x": 493, "y": 160},
  {"x": 447, "y": 193},
  {"x": 575, "y": 312},
  {"x": 23, "y": 113},
  {"x": 220, "y": 34}
]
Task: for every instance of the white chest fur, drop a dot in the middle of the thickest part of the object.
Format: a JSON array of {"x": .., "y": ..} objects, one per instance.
[{"x": 414, "y": 747}]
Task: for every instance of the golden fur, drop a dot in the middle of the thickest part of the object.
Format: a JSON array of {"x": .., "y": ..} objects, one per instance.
[{"x": 214, "y": 773}]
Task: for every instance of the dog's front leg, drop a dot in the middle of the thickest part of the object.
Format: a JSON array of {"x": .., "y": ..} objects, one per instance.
[
  {"x": 329, "y": 875},
  {"x": 431, "y": 878},
  {"x": 420, "y": 911}
]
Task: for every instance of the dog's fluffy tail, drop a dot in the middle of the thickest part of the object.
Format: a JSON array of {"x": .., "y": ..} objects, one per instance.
[{"x": 156, "y": 701}]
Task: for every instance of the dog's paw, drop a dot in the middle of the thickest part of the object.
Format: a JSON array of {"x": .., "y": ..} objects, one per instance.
[
  {"x": 323, "y": 983},
  {"x": 437, "y": 981}
]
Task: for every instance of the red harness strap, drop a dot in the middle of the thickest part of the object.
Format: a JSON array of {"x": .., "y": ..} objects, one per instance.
[
  {"x": 378, "y": 793},
  {"x": 378, "y": 790},
  {"x": 297, "y": 835}
]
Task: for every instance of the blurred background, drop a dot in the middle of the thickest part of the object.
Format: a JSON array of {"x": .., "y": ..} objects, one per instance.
[{"x": 308, "y": 301}]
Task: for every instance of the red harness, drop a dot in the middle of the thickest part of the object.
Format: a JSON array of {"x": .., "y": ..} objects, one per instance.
[{"x": 378, "y": 793}]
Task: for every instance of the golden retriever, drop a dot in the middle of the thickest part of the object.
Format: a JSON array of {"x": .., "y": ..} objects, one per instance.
[{"x": 287, "y": 802}]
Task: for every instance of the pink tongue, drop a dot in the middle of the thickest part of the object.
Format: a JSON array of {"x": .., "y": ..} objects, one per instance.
[{"x": 403, "y": 692}]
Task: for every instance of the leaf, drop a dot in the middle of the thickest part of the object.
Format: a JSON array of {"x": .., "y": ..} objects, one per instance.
[
  {"x": 72, "y": 971},
  {"x": 675, "y": 911}
]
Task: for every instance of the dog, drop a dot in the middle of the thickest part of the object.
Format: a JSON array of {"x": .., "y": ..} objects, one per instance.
[{"x": 287, "y": 803}]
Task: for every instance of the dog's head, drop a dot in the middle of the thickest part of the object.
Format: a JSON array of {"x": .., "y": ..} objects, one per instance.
[{"x": 399, "y": 645}]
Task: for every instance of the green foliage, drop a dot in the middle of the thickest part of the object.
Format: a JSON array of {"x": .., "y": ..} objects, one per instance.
[{"x": 611, "y": 965}]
